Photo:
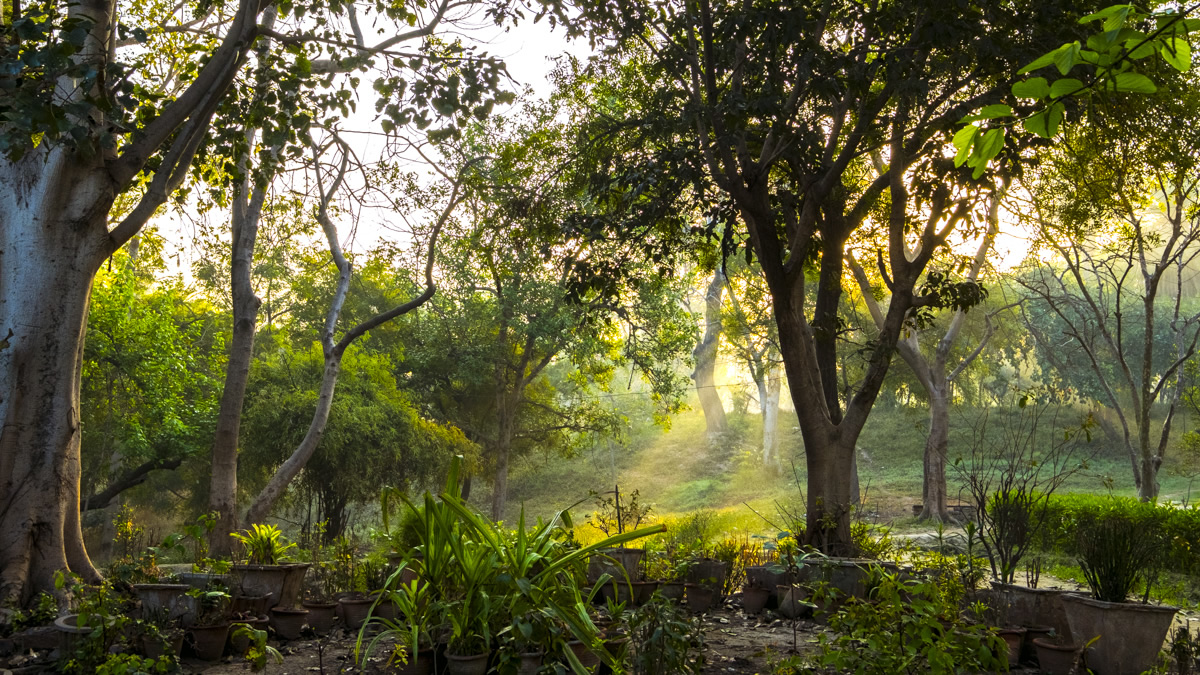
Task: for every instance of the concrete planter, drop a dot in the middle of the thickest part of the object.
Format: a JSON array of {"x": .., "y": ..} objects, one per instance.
[
  {"x": 1129, "y": 634},
  {"x": 612, "y": 561},
  {"x": 287, "y": 622},
  {"x": 1025, "y": 606},
  {"x": 167, "y": 601},
  {"x": 281, "y": 582}
]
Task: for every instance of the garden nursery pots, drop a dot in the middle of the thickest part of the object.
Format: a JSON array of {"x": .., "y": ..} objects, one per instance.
[
  {"x": 208, "y": 642},
  {"x": 1055, "y": 659},
  {"x": 321, "y": 615},
  {"x": 1129, "y": 634},
  {"x": 288, "y": 622},
  {"x": 1023, "y": 606}
]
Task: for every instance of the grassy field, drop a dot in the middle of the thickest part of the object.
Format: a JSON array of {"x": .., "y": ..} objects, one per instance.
[{"x": 679, "y": 472}]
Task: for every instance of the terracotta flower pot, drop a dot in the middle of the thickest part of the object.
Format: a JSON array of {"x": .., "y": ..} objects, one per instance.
[
  {"x": 473, "y": 664},
  {"x": 1055, "y": 659},
  {"x": 754, "y": 599},
  {"x": 643, "y": 591},
  {"x": 792, "y": 601},
  {"x": 1130, "y": 634},
  {"x": 1013, "y": 637},
  {"x": 208, "y": 642},
  {"x": 671, "y": 590},
  {"x": 239, "y": 644},
  {"x": 153, "y": 647},
  {"x": 530, "y": 663},
  {"x": 1028, "y": 651},
  {"x": 419, "y": 664},
  {"x": 700, "y": 597},
  {"x": 583, "y": 652},
  {"x": 288, "y": 622},
  {"x": 355, "y": 611},
  {"x": 321, "y": 615}
]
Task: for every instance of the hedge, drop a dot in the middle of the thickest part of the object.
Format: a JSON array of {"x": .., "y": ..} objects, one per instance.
[{"x": 1178, "y": 527}]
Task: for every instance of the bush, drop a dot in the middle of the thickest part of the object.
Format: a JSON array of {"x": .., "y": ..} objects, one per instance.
[
  {"x": 1178, "y": 529},
  {"x": 905, "y": 626}
]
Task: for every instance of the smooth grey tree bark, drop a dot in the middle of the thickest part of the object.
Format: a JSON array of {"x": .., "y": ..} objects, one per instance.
[{"x": 705, "y": 356}]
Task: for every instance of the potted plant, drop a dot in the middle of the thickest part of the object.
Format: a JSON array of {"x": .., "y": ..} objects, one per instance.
[
  {"x": 160, "y": 633},
  {"x": 211, "y": 628},
  {"x": 265, "y": 571},
  {"x": 612, "y": 517},
  {"x": 1118, "y": 549}
]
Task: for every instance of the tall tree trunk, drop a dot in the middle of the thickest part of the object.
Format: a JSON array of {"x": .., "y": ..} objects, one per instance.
[
  {"x": 505, "y": 430},
  {"x": 933, "y": 484},
  {"x": 769, "y": 394},
  {"x": 53, "y": 239},
  {"x": 705, "y": 355},
  {"x": 222, "y": 496}
]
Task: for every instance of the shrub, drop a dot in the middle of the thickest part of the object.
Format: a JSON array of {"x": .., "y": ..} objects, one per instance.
[
  {"x": 1118, "y": 548},
  {"x": 909, "y": 626}
]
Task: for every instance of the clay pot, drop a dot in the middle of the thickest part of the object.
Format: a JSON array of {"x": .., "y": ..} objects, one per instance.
[
  {"x": 288, "y": 622},
  {"x": 754, "y": 599},
  {"x": 208, "y": 642},
  {"x": 709, "y": 572},
  {"x": 1028, "y": 651},
  {"x": 643, "y": 591},
  {"x": 530, "y": 663},
  {"x": 1130, "y": 634},
  {"x": 355, "y": 611},
  {"x": 700, "y": 597},
  {"x": 1054, "y": 659},
  {"x": 474, "y": 664},
  {"x": 321, "y": 615},
  {"x": 250, "y": 604},
  {"x": 153, "y": 647},
  {"x": 239, "y": 644},
  {"x": 421, "y": 665},
  {"x": 1013, "y": 637},
  {"x": 582, "y": 652},
  {"x": 792, "y": 603},
  {"x": 611, "y": 561},
  {"x": 671, "y": 590}
]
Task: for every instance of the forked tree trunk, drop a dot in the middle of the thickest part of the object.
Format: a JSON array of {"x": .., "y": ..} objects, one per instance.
[
  {"x": 705, "y": 355},
  {"x": 53, "y": 238}
]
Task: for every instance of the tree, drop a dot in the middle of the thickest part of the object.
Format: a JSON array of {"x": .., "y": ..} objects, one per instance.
[
  {"x": 773, "y": 112},
  {"x": 81, "y": 127},
  {"x": 932, "y": 369},
  {"x": 705, "y": 358},
  {"x": 751, "y": 332},
  {"x": 1123, "y": 190},
  {"x": 374, "y": 435},
  {"x": 517, "y": 319}
]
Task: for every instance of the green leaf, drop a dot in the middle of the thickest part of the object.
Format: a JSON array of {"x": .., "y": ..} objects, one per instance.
[
  {"x": 1066, "y": 57},
  {"x": 1113, "y": 16},
  {"x": 1064, "y": 87},
  {"x": 1135, "y": 83},
  {"x": 963, "y": 141},
  {"x": 1032, "y": 88},
  {"x": 1178, "y": 53},
  {"x": 989, "y": 146},
  {"x": 995, "y": 110},
  {"x": 1040, "y": 62},
  {"x": 1045, "y": 123}
]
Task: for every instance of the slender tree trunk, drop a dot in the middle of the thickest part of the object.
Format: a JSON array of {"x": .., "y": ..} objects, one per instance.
[
  {"x": 769, "y": 395},
  {"x": 283, "y": 476},
  {"x": 933, "y": 492},
  {"x": 222, "y": 497},
  {"x": 53, "y": 239},
  {"x": 705, "y": 355},
  {"x": 505, "y": 430}
]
